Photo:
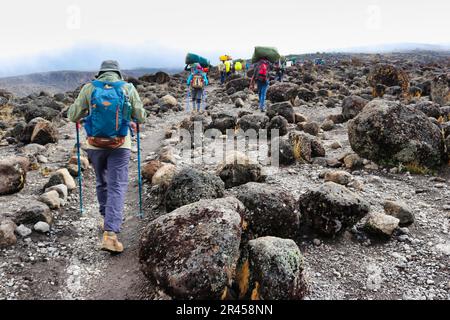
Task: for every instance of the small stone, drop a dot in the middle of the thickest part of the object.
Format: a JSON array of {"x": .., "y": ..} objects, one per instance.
[
  {"x": 381, "y": 224},
  {"x": 400, "y": 211},
  {"x": 51, "y": 199},
  {"x": 42, "y": 159},
  {"x": 317, "y": 242},
  {"x": 23, "y": 231},
  {"x": 336, "y": 145},
  {"x": 61, "y": 189},
  {"x": 41, "y": 227},
  {"x": 7, "y": 237}
]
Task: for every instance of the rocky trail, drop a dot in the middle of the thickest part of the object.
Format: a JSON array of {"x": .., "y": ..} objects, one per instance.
[{"x": 341, "y": 218}]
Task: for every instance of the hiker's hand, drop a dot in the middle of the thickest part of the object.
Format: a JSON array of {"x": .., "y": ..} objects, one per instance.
[{"x": 133, "y": 127}]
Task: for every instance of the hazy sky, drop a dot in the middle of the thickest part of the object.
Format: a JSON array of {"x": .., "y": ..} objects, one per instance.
[{"x": 30, "y": 30}]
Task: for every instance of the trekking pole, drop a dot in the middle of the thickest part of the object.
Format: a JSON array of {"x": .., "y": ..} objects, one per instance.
[
  {"x": 138, "y": 130},
  {"x": 188, "y": 95},
  {"x": 80, "y": 177}
]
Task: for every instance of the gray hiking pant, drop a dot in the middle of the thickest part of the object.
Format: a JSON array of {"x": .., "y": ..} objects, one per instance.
[{"x": 111, "y": 170}]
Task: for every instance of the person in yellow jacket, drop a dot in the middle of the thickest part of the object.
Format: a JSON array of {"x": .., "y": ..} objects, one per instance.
[
  {"x": 227, "y": 68},
  {"x": 238, "y": 67}
]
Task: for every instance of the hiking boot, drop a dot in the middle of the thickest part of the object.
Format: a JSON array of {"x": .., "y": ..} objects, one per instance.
[{"x": 111, "y": 243}]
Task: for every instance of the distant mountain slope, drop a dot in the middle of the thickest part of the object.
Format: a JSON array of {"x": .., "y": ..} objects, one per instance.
[{"x": 60, "y": 81}]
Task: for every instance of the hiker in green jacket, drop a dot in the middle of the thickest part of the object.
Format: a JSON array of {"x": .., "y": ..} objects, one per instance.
[{"x": 109, "y": 154}]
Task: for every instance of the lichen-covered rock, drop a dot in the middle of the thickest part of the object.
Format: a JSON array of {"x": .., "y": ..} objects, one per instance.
[
  {"x": 306, "y": 94},
  {"x": 13, "y": 173},
  {"x": 278, "y": 123},
  {"x": 401, "y": 211},
  {"x": 51, "y": 199},
  {"x": 331, "y": 208},
  {"x": 306, "y": 146},
  {"x": 281, "y": 92},
  {"x": 191, "y": 185},
  {"x": 238, "y": 169},
  {"x": 223, "y": 121},
  {"x": 192, "y": 252},
  {"x": 271, "y": 211},
  {"x": 274, "y": 270},
  {"x": 253, "y": 121},
  {"x": 286, "y": 152},
  {"x": 389, "y": 133},
  {"x": 352, "y": 106},
  {"x": 284, "y": 109},
  {"x": 381, "y": 224},
  {"x": 431, "y": 109}
]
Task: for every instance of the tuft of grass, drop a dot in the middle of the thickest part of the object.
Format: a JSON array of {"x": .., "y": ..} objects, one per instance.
[
  {"x": 6, "y": 113},
  {"x": 416, "y": 168},
  {"x": 243, "y": 279}
]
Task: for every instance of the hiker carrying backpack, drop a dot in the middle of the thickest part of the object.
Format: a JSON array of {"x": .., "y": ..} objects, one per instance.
[
  {"x": 261, "y": 78},
  {"x": 108, "y": 104},
  {"x": 197, "y": 81}
]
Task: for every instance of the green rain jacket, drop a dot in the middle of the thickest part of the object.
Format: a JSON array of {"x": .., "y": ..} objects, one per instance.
[{"x": 80, "y": 108}]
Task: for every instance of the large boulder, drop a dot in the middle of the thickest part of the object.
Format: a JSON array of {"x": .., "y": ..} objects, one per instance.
[
  {"x": 192, "y": 252},
  {"x": 238, "y": 84},
  {"x": 380, "y": 224},
  {"x": 238, "y": 169},
  {"x": 271, "y": 211},
  {"x": 46, "y": 113},
  {"x": 388, "y": 75},
  {"x": 191, "y": 185},
  {"x": 44, "y": 132},
  {"x": 284, "y": 109},
  {"x": 164, "y": 175},
  {"x": 352, "y": 106},
  {"x": 13, "y": 173},
  {"x": 331, "y": 208},
  {"x": 223, "y": 121},
  {"x": 281, "y": 92},
  {"x": 253, "y": 121},
  {"x": 389, "y": 133},
  {"x": 274, "y": 270}
]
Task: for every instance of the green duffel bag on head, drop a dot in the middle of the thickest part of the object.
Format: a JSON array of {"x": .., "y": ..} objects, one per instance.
[
  {"x": 192, "y": 58},
  {"x": 269, "y": 53}
]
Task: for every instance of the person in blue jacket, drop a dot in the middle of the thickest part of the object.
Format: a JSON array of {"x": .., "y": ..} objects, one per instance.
[{"x": 197, "y": 81}]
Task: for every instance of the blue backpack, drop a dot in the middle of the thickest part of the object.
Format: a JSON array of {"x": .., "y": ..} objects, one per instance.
[{"x": 110, "y": 111}]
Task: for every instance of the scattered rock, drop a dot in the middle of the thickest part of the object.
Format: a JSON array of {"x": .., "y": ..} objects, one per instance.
[
  {"x": 400, "y": 211},
  {"x": 150, "y": 168},
  {"x": 275, "y": 271},
  {"x": 339, "y": 177},
  {"x": 388, "y": 133},
  {"x": 163, "y": 177},
  {"x": 192, "y": 252},
  {"x": 33, "y": 213},
  {"x": 41, "y": 227},
  {"x": 7, "y": 237},
  {"x": 381, "y": 224},
  {"x": 51, "y": 199},
  {"x": 270, "y": 210},
  {"x": 13, "y": 173},
  {"x": 284, "y": 109},
  {"x": 239, "y": 169},
  {"x": 352, "y": 106},
  {"x": 191, "y": 185},
  {"x": 23, "y": 231},
  {"x": 331, "y": 208}
]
